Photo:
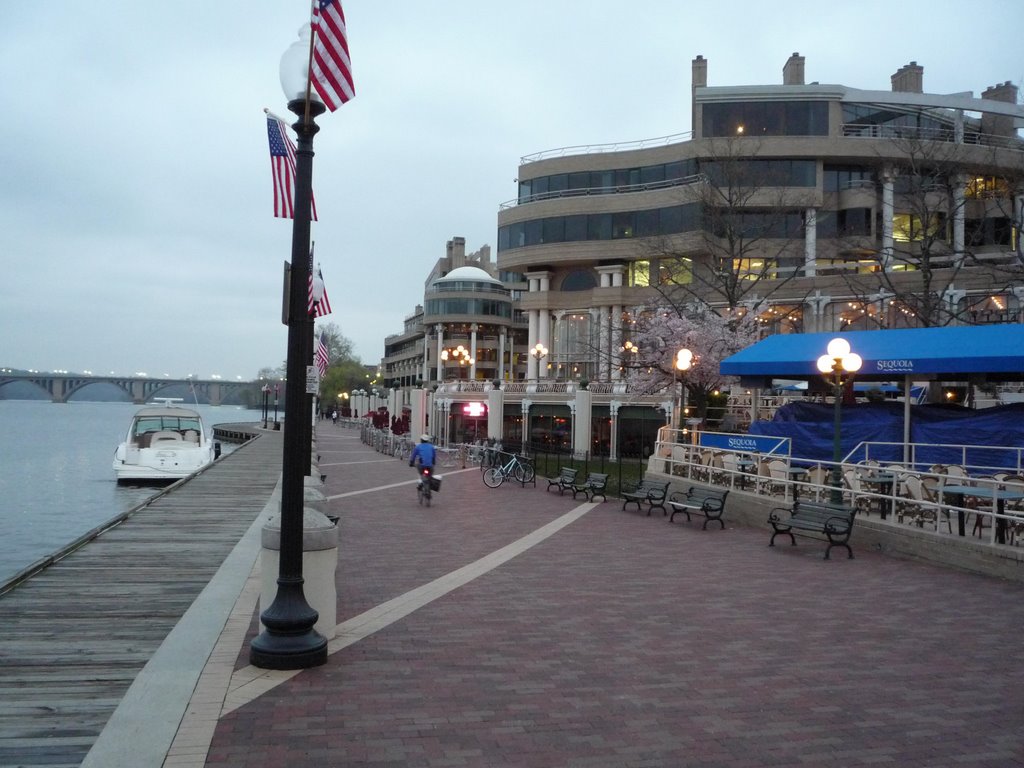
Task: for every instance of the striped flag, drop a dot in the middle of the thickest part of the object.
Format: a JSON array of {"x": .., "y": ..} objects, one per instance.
[
  {"x": 322, "y": 357},
  {"x": 282, "y": 166},
  {"x": 331, "y": 72},
  {"x": 322, "y": 306}
]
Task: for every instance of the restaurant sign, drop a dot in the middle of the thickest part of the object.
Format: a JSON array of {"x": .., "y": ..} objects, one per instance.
[{"x": 778, "y": 446}]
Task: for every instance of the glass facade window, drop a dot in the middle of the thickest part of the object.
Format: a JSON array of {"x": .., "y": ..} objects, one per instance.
[
  {"x": 765, "y": 118},
  {"x": 485, "y": 307},
  {"x": 761, "y": 173},
  {"x": 675, "y": 271},
  {"x": 553, "y": 230},
  {"x": 849, "y": 222},
  {"x": 623, "y": 224},
  {"x": 868, "y": 114},
  {"x": 994, "y": 231},
  {"x": 601, "y": 226},
  {"x": 640, "y": 274},
  {"x": 576, "y": 228},
  {"x": 579, "y": 280},
  {"x": 606, "y": 181},
  {"x": 907, "y": 228},
  {"x": 836, "y": 178}
]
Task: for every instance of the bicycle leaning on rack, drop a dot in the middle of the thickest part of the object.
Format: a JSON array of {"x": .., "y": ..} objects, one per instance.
[{"x": 519, "y": 468}]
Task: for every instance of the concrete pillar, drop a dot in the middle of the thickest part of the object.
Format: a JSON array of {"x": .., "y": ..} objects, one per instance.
[
  {"x": 495, "y": 414},
  {"x": 525, "y": 408},
  {"x": 501, "y": 356},
  {"x": 888, "y": 210},
  {"x": 959, "y": 205},
  {"x": 418, "y": 415},
  {"x": 472, "y": 351},
  {"x": 440, "y": 347},
  {"x": 531, "y": 361},
  {"x": 582, "y": 422},
  {"x": 811, "y": 242},
  {"x": 425, "y": 366}
]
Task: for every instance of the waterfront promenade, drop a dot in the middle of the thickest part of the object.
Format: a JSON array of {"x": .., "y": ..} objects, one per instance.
[{"x": 514, "y": 627}]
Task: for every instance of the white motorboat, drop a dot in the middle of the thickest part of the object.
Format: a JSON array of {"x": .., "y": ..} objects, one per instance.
[{"x": 164, "y": 442}]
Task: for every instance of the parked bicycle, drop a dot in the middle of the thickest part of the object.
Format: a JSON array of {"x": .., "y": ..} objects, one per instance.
[{"x": 519, "y": 468}]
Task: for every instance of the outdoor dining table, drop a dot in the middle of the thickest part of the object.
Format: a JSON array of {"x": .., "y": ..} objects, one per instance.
[
  {"x": 983, "y": 492},
  {"x": 884, "y": 483}
]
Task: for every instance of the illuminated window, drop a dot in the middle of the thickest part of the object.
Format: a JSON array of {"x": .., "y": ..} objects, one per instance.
[
  {"x": 908, "y": 228},
  {"x": 675, "y": 271},
  {"x": 640, "y": 274}
]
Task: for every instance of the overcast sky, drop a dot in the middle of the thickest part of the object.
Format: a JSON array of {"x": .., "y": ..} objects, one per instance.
[{"x": 136, "y": 225}]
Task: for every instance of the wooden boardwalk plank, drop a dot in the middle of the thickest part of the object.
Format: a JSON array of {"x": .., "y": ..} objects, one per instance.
[{"x": 76, "y": 634}]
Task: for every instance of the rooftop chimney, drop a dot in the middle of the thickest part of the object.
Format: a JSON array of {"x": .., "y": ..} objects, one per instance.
[
  {"x": 999, "y": 125},
  {"x": 457, "y": 252},
  {"x": 909, "y": 79},
  {"x": 793, "y": 72},
  {"x": 699, "y": 79}
]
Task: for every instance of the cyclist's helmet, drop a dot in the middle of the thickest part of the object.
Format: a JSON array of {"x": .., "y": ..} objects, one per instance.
[{"x": 424, "y": 438}]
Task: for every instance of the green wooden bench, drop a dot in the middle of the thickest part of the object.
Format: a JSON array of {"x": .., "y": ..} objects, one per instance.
[
  {"x": 565, "y": 480},
  {"x": 833, "y": 520},
  {"x": 709, "y": 502},
  {"x": 595, "y": 485},
  {"x": 651, "y": 492}
]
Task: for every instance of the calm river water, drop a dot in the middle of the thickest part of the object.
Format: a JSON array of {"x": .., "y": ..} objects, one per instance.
[{"x": 56, "y": 480}]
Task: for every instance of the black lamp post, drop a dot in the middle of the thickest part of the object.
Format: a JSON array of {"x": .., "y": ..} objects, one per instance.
[
  {"x": 288, "y": 640},
  {"x": 838, "y": 365}
]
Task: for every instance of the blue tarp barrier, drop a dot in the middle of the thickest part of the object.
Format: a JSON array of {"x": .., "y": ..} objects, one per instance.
[{"x": 811, "y": 428}]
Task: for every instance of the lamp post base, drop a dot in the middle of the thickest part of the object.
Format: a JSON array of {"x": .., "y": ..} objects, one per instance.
[{"x": 289, "y": 640}]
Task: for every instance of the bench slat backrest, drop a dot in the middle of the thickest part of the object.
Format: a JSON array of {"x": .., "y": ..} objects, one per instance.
[{"x": 822, "y": 512}]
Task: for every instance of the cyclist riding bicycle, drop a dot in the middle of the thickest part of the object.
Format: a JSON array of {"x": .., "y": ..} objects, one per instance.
[{"x": 425, "y": 454}]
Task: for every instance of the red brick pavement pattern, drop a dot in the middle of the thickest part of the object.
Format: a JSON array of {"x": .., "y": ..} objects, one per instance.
[{"x": 626, "y": 642}]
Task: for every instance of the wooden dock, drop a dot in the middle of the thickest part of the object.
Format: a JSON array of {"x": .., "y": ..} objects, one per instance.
[{"x": 74, "y": 636}]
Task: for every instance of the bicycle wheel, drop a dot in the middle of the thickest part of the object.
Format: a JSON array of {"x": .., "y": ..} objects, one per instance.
[
  {"x": 493, "y": 477},
  {"x": 524, "y": 472},
  {"x": 419, "y": 495}
]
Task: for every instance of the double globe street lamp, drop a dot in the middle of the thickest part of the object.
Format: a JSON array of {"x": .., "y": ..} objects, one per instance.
[{"x": 838, "y": 365}]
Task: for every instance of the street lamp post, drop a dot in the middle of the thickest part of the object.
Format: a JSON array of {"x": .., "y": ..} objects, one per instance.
[
  {"x": 289, "y": 640},
  {"x": 683, "y": 363},
  {"x": 266, "y": 405},
  {"x": 838, "y": 365},
  {"x": 539, "y": 352}
]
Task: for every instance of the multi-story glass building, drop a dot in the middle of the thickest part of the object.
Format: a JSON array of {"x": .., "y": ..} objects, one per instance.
[
  {"x": 821, "y": 207},
  {"x": 824, "y": 205}
]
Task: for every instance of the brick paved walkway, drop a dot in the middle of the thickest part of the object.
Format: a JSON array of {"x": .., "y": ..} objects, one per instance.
[{"x": 626, "y": 641}]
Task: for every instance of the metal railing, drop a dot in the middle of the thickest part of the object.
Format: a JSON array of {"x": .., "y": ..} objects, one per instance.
[
  {"x": 593, "y": 149},
  {"x": 981, "y": 508},
  {"x": 618, "y": 189},
  {"x": 873, "y": 131}
]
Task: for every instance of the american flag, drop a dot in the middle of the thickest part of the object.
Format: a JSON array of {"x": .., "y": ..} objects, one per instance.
[
  {"x": 331, "y": 73},
  {"x": 282, "y": 166},
  {"x": 314, "y": 307},
  {"x": 322, "y": 357}
]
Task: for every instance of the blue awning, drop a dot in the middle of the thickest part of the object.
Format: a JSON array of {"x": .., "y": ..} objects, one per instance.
[{"x": 951, "y": 352}]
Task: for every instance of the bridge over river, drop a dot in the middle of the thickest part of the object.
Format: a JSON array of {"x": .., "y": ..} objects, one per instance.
[{"x": 141, "y": 389}]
